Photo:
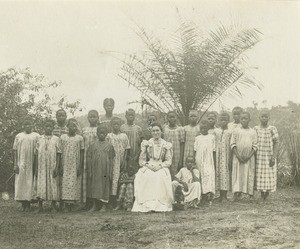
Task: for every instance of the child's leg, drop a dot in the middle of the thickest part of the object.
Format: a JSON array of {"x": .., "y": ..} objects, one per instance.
[
  {"x": 112, "y": 201},
  {"x": 129, "y": 196},
  {"x": 103, "y": 208},
  {"x": 40, "y": 206},
  {"x": 94, "y": 206},
  {"x": 27, "y": 208},
  {"x": 23, "y": 203},
  {"x": 53, "y": 206},
  {"x": 122, "y": 191}
]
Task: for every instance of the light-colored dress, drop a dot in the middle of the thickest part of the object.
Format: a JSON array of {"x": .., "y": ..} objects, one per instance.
[
  {"x": 47, "y": 186},
  {"x": 194, "y": 188},
  {"x": 243, "y": 174},
  {"x": 153, "y": 190},
  {"x": 120, "y": 143},
  {"x": 71, "y": 183},
  {"x": 175, "y": 136},
  {"x": 134, "y": 134},
  {"x": 190, "y": 134},
  {"x": 25, "y": 145},
  {"x": 58, "y": 130},
  {"x": 223, "y": 156},
  {"x": 89, "y": 136},
  {"x": 99, "y": 164},
  {"x": 204, "y": 148},
  {"x": 266, "y": 176}
]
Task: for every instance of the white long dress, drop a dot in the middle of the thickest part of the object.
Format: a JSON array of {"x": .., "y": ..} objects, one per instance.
[
  {"x": 153, "y": 190},
  {"x": 204, "y": 148}
]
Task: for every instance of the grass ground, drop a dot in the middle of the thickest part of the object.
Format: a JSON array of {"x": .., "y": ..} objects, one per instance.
[{"x": 246, "y": 224}]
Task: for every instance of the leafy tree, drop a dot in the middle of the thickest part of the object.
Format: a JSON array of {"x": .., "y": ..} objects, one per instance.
[
  {"x": 24, "y": 94},
  {"x": 194, "y": 70}
]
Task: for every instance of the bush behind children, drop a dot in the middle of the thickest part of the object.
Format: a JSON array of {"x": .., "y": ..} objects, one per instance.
[{"x": 95, "y": 168}]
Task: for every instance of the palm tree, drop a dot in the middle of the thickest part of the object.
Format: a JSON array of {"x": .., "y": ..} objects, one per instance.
[{"x": 195, "y": 73}]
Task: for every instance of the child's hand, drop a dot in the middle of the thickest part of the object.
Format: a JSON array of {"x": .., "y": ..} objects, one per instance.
[
  {"x": 54, "y": 173},
  {"x": 61, "y": 171},
  {"x": 78, "y": 171},
  {"x": 272, "y": 162},
  {"x": 16, "y": 169},
  {"x": 185, "y": 186},
  {"x": 241, "y": 160}
]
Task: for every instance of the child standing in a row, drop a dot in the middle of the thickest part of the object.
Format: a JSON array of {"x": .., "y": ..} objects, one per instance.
[
  {"x": 175, "y": 135},
  {"x": 244, "y": 145},
  {"x": 205, "y": 156},
  {"x": 48, "y": 161},
  {"x": 72, "y": 163},
  {"x": 24, "y": 162}
]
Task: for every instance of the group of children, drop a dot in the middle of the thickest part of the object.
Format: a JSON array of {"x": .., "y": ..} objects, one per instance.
[{"x": 96, "y": 166}]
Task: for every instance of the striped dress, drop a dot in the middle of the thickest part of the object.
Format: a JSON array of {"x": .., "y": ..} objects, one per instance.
[
  {"x": 89, "y": 136},
  {"x": 265, "y": 175},
  {"x": 190, "y": 133},
  {"x": 134, "y": 134},
  {"x": 175, "y": 136}
]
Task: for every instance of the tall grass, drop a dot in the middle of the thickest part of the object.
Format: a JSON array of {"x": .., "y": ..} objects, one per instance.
[{"x": 293, "y": 150}]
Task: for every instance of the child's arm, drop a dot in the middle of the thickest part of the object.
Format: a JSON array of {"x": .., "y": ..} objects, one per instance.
[
  {"x": 79, "y": 169},
  {"x": 58, "y": 159},
  {"x": 195, "y": 178},
  {"x": 16, "y": 167},
  {"x": 35, "y": 164},
  {"x": 250, "y": 155},
  {"x": 185, "y": 186},
  {"x": 181, "y": 153},
  {"x": 241, "y": 160},
  {"x": 215, "y": 159},
  {"x": 275, "y": 152}
]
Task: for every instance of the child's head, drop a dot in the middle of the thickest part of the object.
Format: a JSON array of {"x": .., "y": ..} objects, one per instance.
[
  {"x": 130, "y": 171},
  {"x": 61, "y": 116},
  {"x": 130, "y": 115},
  {"x": 72, "y": 126},
  {"x": 49, "y": 126},
  {"x": 245, "y": 119},
  {"x": 204, "y": 127},
  {"x": 224, "y": 119},
  {"x": 189, "y": 162},
  {"x": 212, "y": 119},
  {"x": 102, "y": 132},
  {"x": 264, "y": 116},
  {"x": 151, "y": 119},
  {"x": 236, "y": 114},
  {"x": 93, "y": 117},
  {"x": 171, "y": 116},
  {"x": 156, "y": 130},
  {"x": 109, "y": 105},
  {"x": 28, "y": 124},
  {"x": 193, "y": 117},
  {"x": 115, "y": 124}
]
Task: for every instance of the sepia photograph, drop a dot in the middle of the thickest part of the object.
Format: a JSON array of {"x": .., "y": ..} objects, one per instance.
[{"x": 150, "y": 124}]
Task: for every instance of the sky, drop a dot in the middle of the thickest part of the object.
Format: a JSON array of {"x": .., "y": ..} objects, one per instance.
[{"x": 68, "y": 41}]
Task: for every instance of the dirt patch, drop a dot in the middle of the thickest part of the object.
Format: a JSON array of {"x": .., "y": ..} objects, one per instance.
[{"x": 246, "y": 224}]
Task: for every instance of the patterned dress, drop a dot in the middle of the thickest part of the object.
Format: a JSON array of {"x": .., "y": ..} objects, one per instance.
[
  {"x": 265, "y": 175},
  {"x": 223, "y": 154},
  {"x": 205, "y": 147},
  {"x": 120, "y": 143},
  {"x": 175, "y": 136},
  {"x": 99, "y": 165},
  {"x": 71, "y": 183},
  {"x": 47, "y": 186},
  {"x": 25, "y": 145},
  {"x": 134, "y": 134},
  {"x": 194, "y": 191},
  {"x": 58, "y": 130},
  {"x": 190, "y": 134},
  {"x": 153, "y": 189},
  {"x": 243, "y": 174},
  {"x": 89, "y": 136}
]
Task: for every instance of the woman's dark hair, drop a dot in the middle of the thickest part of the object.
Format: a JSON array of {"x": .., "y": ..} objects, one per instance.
[
  {"x": 115, "y": 119},
  {"x": 61, "y": 110},
  {"x": 238, "y": 109},
  {"x": 102, "y": 126},
  {"x": 157, "y": 124},
  {"x": 49, "y": 120},
  {"x": 246, "y": 113},
  {"x": 224, "y": 115}
]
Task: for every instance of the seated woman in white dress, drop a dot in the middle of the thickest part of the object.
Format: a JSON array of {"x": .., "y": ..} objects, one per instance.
[{"x": 152, "y": 184}]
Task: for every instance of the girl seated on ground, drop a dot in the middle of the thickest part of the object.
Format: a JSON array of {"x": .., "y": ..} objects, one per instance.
[{"x": 188, "y": 180}]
